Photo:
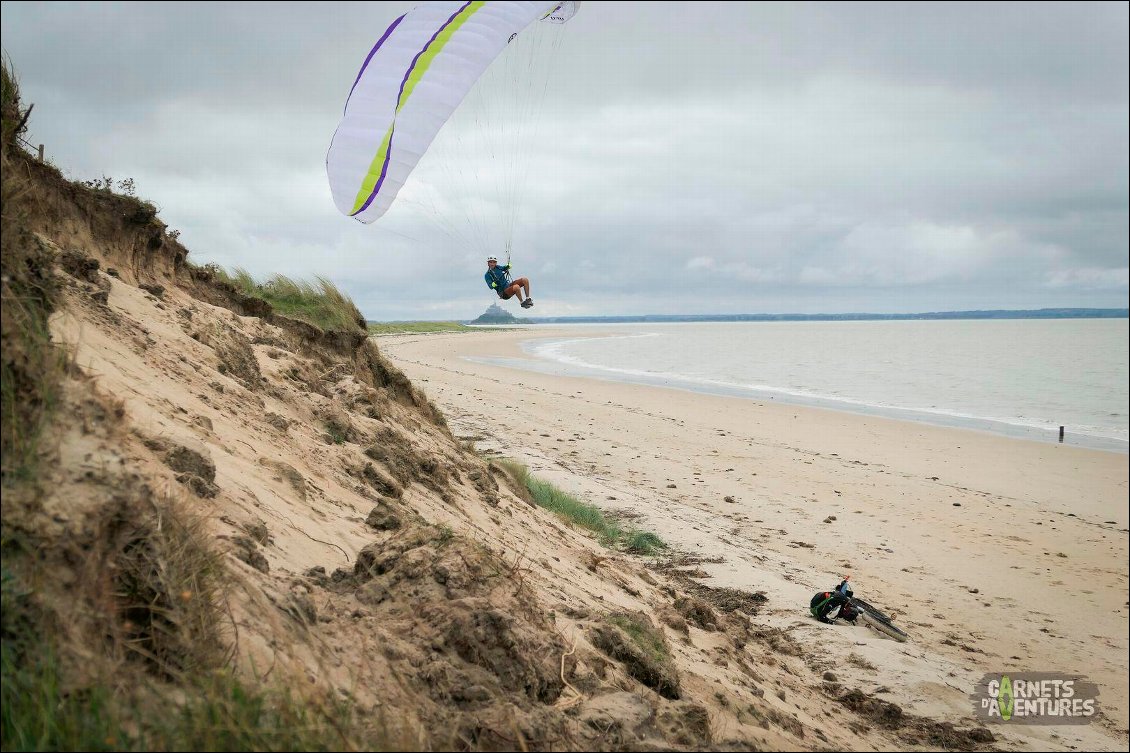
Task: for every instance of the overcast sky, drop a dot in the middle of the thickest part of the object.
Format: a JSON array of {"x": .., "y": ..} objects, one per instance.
[{"x": 689, "y": 157}]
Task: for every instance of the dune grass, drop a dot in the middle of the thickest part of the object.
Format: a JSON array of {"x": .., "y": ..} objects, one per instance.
[
  {"x": 14, "y": 120},
  {"x": 643, "y": 635},
  {"x": 115, "y": 629},
  {"x": 218, "y": 712},
  {"x": 32, "y": 365},
  {"x": 567, "y": 506},
  {"x": 643, "y": 542},
  {"x": 32, "y": 368},
  {"x": 517, "y": 470},
  {"x": 144, "y": 662},
  {"x": 35, "y": 713},
  {"x": 320, "y": 302},
  {"x": 590, "y": 517}
]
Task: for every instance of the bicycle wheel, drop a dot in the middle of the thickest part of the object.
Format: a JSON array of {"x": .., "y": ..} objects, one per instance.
[
  {"x": 865, "y": 607},
  {"x": 883, "y": 626}
]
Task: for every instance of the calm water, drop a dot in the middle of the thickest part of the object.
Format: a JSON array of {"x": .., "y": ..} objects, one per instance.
[{"x": 1019, "y": 377}]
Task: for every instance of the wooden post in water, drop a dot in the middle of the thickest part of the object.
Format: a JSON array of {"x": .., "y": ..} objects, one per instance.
[{"x": 1061, "y": 434}]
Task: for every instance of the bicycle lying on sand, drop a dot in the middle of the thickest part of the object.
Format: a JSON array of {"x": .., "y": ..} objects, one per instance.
[{"x": 875, "y": 618}]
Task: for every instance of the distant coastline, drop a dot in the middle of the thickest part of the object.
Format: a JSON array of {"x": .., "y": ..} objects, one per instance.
[
  {"x": 1063, "y": 313},
  {"x": 499, "y": 316}
]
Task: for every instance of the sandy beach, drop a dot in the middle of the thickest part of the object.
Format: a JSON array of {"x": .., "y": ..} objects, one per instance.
[{"x": 996, "y": 554}]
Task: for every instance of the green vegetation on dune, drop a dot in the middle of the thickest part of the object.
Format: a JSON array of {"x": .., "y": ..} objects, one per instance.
[
  {"x": 32, "y": 366},
  {"x": 587, "y": 516},
  {"x": 116, "y": 632},
  {"x": 320, "y": 303},
  {"x": 643, "y": 542},
  {"x": 583, "y": 514},
  {"x": 217, "y": 712},
  {"x": 144, "y": 662},
  {"x": 644, "y": 635}
]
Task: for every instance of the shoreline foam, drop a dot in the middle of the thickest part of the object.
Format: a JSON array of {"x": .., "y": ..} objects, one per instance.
[{"x": 539, "y": 355}]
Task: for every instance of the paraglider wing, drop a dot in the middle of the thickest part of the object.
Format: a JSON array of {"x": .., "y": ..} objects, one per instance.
[{"x": 409, "y": 84}]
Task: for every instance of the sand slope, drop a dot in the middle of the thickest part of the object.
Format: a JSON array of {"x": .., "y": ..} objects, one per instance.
[{"x": 997, "y": 554}]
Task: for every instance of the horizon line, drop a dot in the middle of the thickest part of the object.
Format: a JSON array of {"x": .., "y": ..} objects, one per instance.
[{"x": 1047, "y": 313}]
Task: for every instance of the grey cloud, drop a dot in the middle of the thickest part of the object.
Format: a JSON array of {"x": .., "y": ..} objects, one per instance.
[{"x": 694, "y": 157}]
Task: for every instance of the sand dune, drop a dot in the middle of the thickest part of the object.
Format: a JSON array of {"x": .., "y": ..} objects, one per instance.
[{"x": 998, "y": 555}]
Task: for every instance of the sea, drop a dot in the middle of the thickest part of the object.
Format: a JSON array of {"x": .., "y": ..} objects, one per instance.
[{"x": 1022, "y": 378}]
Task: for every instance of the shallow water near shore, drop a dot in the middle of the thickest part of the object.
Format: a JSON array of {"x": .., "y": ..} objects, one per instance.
[{"x": 1018, "y": 378}]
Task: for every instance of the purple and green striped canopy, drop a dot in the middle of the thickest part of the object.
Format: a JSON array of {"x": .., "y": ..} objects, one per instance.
[{"x": 415, "y": 76}]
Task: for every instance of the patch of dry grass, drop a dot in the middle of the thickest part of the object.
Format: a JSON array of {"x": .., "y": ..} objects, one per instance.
[
  {"x": 320, "y": 302},
  {"x": 32, "y": 366}
]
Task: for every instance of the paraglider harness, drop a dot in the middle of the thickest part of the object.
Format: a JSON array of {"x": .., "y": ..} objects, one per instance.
[{"x": 499, "y": 278}]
